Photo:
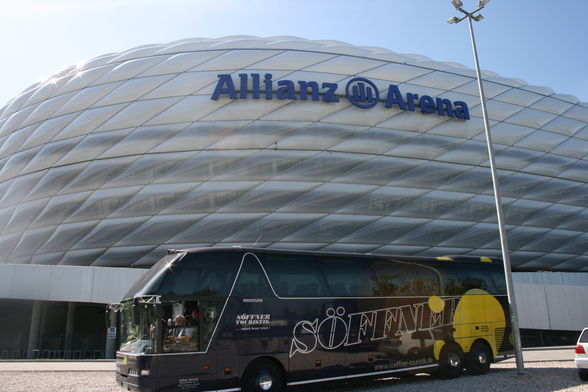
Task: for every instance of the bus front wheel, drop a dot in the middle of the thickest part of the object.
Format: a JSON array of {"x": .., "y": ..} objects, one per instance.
[
  {"x": 263, "y": 375},
  {"x": 450, "y": 361},
  {"x": 479, "y": 358}
]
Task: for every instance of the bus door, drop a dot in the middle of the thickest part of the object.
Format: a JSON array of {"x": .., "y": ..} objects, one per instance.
[
  {"x": 188, "y": 361},
  {"x": 257, "y": 323}
]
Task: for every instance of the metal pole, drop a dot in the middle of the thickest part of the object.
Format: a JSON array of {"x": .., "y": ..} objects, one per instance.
[{"x": 503, "y": 240}]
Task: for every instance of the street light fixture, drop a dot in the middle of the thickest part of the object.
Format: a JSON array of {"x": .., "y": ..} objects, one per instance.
[{"x": 503, "y": 240}]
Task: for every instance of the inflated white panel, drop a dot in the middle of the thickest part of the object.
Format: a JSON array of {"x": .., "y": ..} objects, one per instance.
[
  {"x": 183, "y": 84},
  {"x": 85, "y": 77},
  {"x": 345, "y": 65},
  {"x": 508, "y": 134},
  {"x": 396, "y": 72},
  {"x": 181, "y": 62},
  {"x": 438, "y": 80},
  {"x": 308, "y": 110},
  {"x": 46, "y": 109},
  {"x": 132, "y": 90},
  {"x": 490, "y": 89},
  {"x": 250, "y": 109},
  {"x": 573, "y": 148},
  {"x": 111, "y": 162},
  {"x": 291, "y": 60},
  {"x": 355, "y": 116},
  {"x": 88, "y": 120},
  {"x": 551, "y": 105},
  {"x": 128, "y": 69},
  {"x": 137, "y": 113},
  {"x": 235, "y": 60},
  {"x": 531, "y": 118},
  {"x": 541, "y": 141},
  {"x": 87, "y": 97},
  {"x": 497, "y": 110},
  {"x": 578, "y": 112},
  {"x": 519, "y": 96}
]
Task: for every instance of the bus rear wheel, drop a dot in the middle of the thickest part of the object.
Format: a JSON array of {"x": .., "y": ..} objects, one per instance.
[
  {"x": 450, "y": 361},
  {"x": 263, "y": 375},
  {"x": 479, "y": 358}
]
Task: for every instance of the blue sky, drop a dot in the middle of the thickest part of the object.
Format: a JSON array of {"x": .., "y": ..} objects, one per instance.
[{"x": 542, "y": 42}]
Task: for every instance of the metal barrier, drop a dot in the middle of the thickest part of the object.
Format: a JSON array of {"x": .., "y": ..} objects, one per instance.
[{"x": 51, "y": 354}]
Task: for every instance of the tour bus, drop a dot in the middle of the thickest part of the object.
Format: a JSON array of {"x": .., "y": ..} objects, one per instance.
[{"x": 255, "y": 319}]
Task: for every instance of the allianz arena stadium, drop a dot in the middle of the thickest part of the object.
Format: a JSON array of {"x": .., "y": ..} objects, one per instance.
[{"x": 289, "y": 143}]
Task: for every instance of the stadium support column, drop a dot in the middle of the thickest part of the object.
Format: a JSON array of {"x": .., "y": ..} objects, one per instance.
[
  {"x": 34, "y": 329},
  {"x": 110, "y": 349},
  {"x": 69, "y": 325}
]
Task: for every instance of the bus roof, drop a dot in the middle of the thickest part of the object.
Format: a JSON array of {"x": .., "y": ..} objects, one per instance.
[{"x": 446, "y": 258}]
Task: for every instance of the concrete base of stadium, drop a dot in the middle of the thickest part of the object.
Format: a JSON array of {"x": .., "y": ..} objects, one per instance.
[{"x": 58, "y": 312}]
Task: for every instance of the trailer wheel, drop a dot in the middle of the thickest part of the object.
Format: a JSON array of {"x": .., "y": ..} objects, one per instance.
[
  {"x": 479, "y": 358},
  {"x": 450, "y": 361},
  {"x": 263, "y": 375}
]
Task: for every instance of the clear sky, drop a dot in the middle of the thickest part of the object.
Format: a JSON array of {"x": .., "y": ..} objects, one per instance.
[{"x": 543, "y": 42}]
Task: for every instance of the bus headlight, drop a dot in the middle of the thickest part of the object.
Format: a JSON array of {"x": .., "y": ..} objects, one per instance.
[{"x": 145, "y": 372}]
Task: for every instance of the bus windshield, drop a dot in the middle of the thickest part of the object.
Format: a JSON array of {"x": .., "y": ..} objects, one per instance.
[
  {"x": 138, "y": 327},
  {"x": 176, "y": 308}
]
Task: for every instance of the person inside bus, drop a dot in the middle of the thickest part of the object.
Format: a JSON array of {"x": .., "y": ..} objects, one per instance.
[
  {"x": 194, "y": 317},
  {"x": 181, "y": 331}
]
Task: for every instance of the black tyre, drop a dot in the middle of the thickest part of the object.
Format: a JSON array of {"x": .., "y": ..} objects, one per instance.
[
  {"x": 479, "y": 358},
  {"x": 450, "y": 361},
  {"x": 263, "y": 375},
  {"x": 583, "y": 375}
]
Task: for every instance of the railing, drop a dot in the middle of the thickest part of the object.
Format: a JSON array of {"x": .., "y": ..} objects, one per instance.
[{"x": 52, "y": 354}]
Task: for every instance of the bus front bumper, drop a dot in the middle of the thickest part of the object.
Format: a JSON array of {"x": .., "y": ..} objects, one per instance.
[{"x": 136, "y": 383}]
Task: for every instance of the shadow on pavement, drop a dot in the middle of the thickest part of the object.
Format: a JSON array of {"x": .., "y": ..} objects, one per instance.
[{"x": 547, "y": 379}]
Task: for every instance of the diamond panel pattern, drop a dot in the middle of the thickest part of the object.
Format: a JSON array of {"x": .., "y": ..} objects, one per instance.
[{"x": 112, "y": 162}]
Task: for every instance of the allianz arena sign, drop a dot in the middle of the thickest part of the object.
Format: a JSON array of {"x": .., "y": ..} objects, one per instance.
[{"x": 360, "y": 92}]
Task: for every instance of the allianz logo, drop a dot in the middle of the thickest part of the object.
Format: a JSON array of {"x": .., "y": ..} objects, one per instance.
[{"x": 360, "y": 92}]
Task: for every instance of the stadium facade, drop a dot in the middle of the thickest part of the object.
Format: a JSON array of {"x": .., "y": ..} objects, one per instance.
[{"x": 277, "y": 142}]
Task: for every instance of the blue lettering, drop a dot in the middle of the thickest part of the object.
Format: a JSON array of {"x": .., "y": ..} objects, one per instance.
[
  {"x": 461, "y": 110},
  {"x": 286, "y": 91},
  {"x": 329, "y": 95},
  {"x": 444, "y": 107},
  {"x": 394, "y": 97},
  {"x": 410, "y": 98},
  {"x": 359, "y": 91},
  {"x": 243, "y": 86},
  {"x": 427, "y": 104},
  {"x": 268, "y": 85},
  {"x": 255, "y": 89},
  {"x": 224, "y": 86},
  {"x": 314, "y": 90}
]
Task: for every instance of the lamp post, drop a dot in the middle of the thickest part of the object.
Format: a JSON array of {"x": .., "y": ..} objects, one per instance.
[{"x": 503, "y": 240}]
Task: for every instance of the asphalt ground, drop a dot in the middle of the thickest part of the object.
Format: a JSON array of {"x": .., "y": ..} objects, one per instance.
[{"x": 545, "y": 370}]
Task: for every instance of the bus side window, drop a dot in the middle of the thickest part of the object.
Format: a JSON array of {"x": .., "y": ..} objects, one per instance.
[
  {"x": 459, "y": 279},
  {"x": 478, "y": 278},
  {"x": 294, "y": 277},
  {"x": 499, "y": 281},
  {"x": 392, "y": 279},
  {"x": 345, "y": 278},
  {"x": 251, "y": 281}
]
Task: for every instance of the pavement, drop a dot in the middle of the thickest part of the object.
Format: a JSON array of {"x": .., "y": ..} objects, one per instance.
[
  {"x": 542, "y": 354},
  {"x": 41, "y": 365}
]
